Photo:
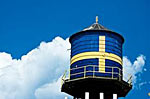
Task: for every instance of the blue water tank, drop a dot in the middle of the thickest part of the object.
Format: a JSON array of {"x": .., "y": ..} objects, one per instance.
[{"x": 96, "y": 52}]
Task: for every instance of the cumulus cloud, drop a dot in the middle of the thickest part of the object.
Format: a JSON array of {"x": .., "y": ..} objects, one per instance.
[
  {"x": 37, "y": 75},
  {"x": 19, "y": 79},
  {"x": 50, "y": 91},
  {"x": 143, "y": 83},
  {"x": 132, "y": 69}
]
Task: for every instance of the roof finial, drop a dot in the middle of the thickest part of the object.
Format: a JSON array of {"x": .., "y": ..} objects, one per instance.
[{"x": 96, "y": 19}]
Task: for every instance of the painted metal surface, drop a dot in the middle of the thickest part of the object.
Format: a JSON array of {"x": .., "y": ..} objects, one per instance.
[{"x": 100, "y": 49}]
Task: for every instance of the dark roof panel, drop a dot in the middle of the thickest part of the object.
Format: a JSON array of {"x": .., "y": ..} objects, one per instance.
[{"x": 95, "y": 26}]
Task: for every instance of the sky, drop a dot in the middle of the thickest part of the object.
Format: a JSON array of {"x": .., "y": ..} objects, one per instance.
[{"x": 34, "y": 41}]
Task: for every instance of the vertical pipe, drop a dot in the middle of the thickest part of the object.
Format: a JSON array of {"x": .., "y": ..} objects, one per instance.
[
  {"x": 86, "y": 95},
  {"x": 84, "y": 71},
  {"x": 114, "y": 96},
  {"x": 101, "y": 95},
  {"x": 119, "y": 75},
  {"x": 112, "y": 72}
]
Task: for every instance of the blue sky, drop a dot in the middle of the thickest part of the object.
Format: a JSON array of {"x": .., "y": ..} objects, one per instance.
[{"x": 24, "y": 24}]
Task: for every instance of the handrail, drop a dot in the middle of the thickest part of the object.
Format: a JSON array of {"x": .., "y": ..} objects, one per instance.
[
  {"x": 94, "y": 66},
  {"x": 130, "y": 80},
  {"x": 97, "y": 66},
  {"x": 119, "y": 72},
  {"x": 63, "y": 77}
]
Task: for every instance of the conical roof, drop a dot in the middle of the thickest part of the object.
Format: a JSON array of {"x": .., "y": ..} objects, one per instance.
[{"x": 96, "y": 26}]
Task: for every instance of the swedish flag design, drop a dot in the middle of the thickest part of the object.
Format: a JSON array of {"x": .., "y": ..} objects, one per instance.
[{"x": 98, "y": 50}]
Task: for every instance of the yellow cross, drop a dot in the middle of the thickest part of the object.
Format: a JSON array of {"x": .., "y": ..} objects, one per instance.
[
  {"x": 101, "y": 55},
  {"x": 102, "y": 49}
]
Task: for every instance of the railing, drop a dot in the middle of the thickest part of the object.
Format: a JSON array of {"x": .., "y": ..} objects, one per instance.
[{"x": 94, "y": 69}]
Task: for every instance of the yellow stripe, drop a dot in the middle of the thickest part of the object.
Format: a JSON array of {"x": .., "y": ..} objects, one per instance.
[
  {"x": 96, "y": 54},
  {"x": 101, "y": 55},
  {"x": 102, "y": 65},
  {"x": 102, "y": 43},
  {"x": 102, "y": 38},
  {"x": 102, "y": 49},
  {"x": 89, "y": 55}
]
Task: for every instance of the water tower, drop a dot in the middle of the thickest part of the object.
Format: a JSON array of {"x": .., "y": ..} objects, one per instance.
[{"x": 96, "y": 65}]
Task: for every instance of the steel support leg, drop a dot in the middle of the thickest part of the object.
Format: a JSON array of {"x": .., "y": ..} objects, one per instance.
[
  {"x": 101, "y": 95},
  {"x": 114, "y": 96},
  {"x": 86, "y": 95}
]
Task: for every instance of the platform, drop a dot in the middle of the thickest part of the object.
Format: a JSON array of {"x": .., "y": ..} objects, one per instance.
[{"x": 94, "y": 86}]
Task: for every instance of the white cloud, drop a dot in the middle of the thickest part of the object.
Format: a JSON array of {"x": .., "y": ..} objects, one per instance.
[
  {"x": 50, "y": 91},
  {"x": 37, "y": 74},
  {"x": 19, "y": 79},
  {"x": 145, "y": 69},
  {"x": 132, "y": 69},
  {"x": 144, "y": 83}
]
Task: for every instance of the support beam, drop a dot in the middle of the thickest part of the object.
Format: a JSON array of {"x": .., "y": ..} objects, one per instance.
[
  {"x": 114, "y": 96},
  {"x": 86, "y": 95},
  {"x": 101, "y": 95}
]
